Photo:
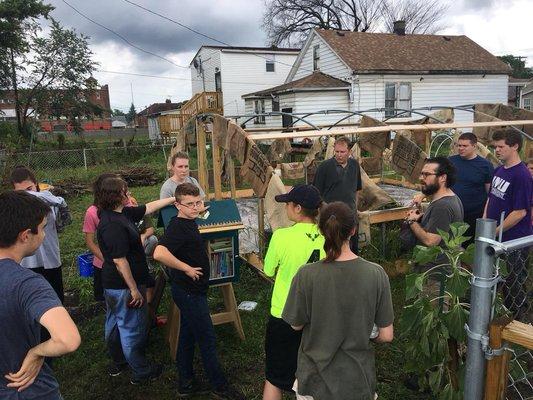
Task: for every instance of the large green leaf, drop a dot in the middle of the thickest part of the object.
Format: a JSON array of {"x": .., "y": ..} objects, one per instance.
[
  {"x": 455, "y": 321},
  {"x": 424, "y": 255},
  {"x": 468, "y": 255},
  {"x": 444, "y": 235},
  {"x": 457, "y": 284},
  {"x": 410, "y": 288}
]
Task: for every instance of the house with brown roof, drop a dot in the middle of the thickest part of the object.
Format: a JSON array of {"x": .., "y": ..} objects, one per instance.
[
  {"x": 526, "y": 96},
  {"x": 386, "y": 71}
]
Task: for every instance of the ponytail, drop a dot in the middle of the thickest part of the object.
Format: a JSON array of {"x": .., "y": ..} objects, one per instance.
[{"x": 336, "y": 223}]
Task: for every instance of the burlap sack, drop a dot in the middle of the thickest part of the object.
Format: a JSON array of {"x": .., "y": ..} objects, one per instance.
[
  {"x": 419, "y": 137},
  {"x": 236, "y": 142},
  {"x": 485, "y": 113},
  {"x": 372, "y": 165},
  {"x": 278, "y": 149},
  {"x": 275, "y": 212},
  {"x": 189, "y": 131},
  {"x": 407, "y": 158},
  {"x": 220, "y": 130},
  {"x": 294, "y": 170},
  {"x": 179, "y": 145},
  {"x": 256, "y": 169},
  {"x": 313, "y": 151},
  {"x": 371, "y": 196},
  {"x": 363, "y": 231},
  {"x": 481, "y": 149},
  {"x": 330, "y": 148},
  {"x": 373, "y": 142}
]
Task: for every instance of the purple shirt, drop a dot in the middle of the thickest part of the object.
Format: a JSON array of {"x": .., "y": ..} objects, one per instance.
[{"x": 511, "y": 189}]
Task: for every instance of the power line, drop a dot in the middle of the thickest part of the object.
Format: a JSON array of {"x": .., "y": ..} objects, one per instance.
[
  {"x": 122, "y": 37},
  {"x": 208, "y": 36}
]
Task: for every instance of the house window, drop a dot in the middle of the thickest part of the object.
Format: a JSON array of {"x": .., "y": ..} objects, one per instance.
[
  {"x": 275, "y": 103},
  {"x": 270, "y": 63},
  {"x": 527, "y": 104},
  {"x": 316, "y": 57},
  {"x": 397, "y": 95},
  {"x": 259, "y": 108}
]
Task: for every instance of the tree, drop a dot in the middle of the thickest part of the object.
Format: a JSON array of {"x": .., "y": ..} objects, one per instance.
[
  {"x": 518, "y": 64},
  {"x": 130, "y": 116},
  {"x": 48, "y": 75},
  {"x": 118, "y": 113},
  {"x": 289, "y": 21}
]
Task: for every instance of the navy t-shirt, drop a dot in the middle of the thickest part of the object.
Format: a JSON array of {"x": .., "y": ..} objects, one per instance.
[
  {"x": 118, "y": 237},
  {"x": 472, "y": 175},
  {"x": 511, "y": 189},
  {"x": 24, "y": 297}
]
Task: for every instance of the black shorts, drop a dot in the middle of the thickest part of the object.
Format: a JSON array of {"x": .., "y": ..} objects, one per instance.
[
  {"x": 54, "y": 276},
  {"x": 281, "y": 350}
]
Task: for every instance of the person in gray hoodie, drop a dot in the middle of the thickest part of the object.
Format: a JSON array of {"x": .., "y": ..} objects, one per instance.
[{"x": 47, "y": 259}]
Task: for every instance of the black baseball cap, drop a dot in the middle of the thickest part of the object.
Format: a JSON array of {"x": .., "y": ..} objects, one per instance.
[{"x": 307, "y": 196}]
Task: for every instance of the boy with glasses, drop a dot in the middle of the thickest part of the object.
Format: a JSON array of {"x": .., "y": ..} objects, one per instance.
[{"x": 183, "y": 250}]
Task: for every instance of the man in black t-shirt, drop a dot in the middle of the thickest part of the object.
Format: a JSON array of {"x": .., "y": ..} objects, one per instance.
[
  {"x": 124, "y": 278},
  {"x": 339, "y": 179},
  {"x": 182, "y": 249}
]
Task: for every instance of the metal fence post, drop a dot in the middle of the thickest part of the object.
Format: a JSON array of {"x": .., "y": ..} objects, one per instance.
[
  {"x": 480, "y": 309},
  {"x": 85, "y": 158}
]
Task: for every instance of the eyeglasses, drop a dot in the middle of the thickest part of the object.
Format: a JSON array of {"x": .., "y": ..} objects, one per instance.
[
  {"x": 426, "y": 174},
  {"x": 192, "y": 204}
]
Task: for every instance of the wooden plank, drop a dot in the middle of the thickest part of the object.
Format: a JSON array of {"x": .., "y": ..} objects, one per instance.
[
  {"x": 223, "y": 228},
  {"x": 201, "y": 150},
  {"x": 393, "y": 214},
  {"x": 352, "y": 131},
  {"x": 261, "y": 225},
  {"x": 239, "y": 194},
  {"x": 519, "y": 333},
  {"x": 232, "y": 181},
  {"x": 498, "y": 366},
  {"x": 217, "y": 171},
  {"x": 253, "y": 260}
]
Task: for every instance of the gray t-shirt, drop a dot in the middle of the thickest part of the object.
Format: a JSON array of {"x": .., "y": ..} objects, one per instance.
[
  {"x": 337, "y": 183},
  {"x": 48, "y": 255},
  {"x": 338, "y": 304},
  {"x": 440, "y": 214},
  {"x": 24, "y": 297},
  {"x": 169, "y": 187}
]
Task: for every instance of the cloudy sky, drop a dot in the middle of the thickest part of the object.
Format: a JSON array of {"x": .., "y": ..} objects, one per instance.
[{"x": 500, "y": 26}]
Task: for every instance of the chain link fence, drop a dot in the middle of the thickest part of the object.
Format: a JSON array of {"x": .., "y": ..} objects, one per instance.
[
  {"x": 515, "y": 296},
  {"x": 60, "y": 164}
]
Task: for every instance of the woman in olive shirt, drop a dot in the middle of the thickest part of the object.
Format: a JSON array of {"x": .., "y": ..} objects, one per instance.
[{"x": 335, "y": 302}]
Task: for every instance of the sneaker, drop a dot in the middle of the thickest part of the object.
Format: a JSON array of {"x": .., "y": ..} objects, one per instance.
[
  {"x": 155, "y": 372},
  {"x": 228, "y": 392},
  {"x": 116, "y": 369},
  {"x": 192, "y": 389}
]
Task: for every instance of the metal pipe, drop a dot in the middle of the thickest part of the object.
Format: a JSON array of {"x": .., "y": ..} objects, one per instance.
[
  {"x": 515, "y": 244},
  {"x": 480, "y": 308}
]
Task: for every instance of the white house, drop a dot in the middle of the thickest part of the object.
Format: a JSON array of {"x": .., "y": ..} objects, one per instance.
[
  {"x": 386, "y": 71},
  {"x": 238, "y": 70}
]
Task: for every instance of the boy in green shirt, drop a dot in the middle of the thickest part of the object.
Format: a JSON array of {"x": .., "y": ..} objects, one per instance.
[{"x": 289, "y": 249}]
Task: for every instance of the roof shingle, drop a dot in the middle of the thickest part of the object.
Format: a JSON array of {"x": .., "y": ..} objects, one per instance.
[{"x": 392, "y": 53}]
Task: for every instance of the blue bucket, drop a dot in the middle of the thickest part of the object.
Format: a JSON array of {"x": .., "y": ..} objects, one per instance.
[{"x": 85, "y": 265}]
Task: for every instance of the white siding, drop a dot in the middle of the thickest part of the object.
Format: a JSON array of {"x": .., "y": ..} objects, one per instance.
[
  {"x": 244, "y": 73},
  {"x": 307, "y": 102},
  {"x": 433, "y": 90},
  {"x": 329, "y": 63},
  {"x": 210, "y": 60}
]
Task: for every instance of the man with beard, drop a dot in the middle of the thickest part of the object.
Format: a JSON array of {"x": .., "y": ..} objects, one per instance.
[{"x": 445, "y": 208}]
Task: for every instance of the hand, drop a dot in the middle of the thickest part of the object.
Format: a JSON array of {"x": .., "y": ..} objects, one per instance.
[
  {"x": 194, "y": 273},
  {"x": 413, "y": 215},
  {"x": 143, "y": 238},
  {"x": 137, "y": 299},
  {"x": 27, "y": 373},
  {"x": 417, "y": 199}
]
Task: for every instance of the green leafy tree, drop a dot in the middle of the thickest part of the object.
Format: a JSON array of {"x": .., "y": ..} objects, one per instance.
[
  {"x": 435, "y": 355},
  {"x": 117, "y": 113},
  {"x": 518, "y": 64},
  {"x": 49, "y": 75},
  {"x": 130, "y": 116}
]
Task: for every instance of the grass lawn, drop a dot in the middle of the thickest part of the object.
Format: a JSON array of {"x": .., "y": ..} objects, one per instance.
[{"x": 82, "y": 375}]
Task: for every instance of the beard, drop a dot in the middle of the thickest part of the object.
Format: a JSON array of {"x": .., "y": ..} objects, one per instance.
[{"x": 431, "y": 189}]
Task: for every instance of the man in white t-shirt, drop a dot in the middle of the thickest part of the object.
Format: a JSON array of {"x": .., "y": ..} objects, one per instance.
[{"x": 180, "y": 174}]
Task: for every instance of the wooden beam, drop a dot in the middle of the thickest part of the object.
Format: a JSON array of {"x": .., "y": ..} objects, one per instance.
[
  {"x": 519, "y": 333},
  {"x": 239, "y": 194},
  {"x": 201, "y": 150},
  {"x": 217, "y": 170},
  {"x": 393, "y": 214},
  {"x": 498, "y": 366},
  {"x": 351, "y": 131},
  {"x": 253, "y": 260},
  {"x": 223, "y": 228}
]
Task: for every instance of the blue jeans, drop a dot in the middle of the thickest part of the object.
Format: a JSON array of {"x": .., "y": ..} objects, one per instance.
[
  {"x": 126, "y": 331},
  {"x": 196, "y": 327}
]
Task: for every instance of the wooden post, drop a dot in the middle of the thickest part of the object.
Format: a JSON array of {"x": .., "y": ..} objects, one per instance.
[
  {"x": 201, "y": 152},
  {"x": 217, "y": 171},
  {"x": 261, "y": 226},
  {"x": 232, "y": 181},
  {"x": 428, "y": 142},
  {"x": 498, "y": 367}
]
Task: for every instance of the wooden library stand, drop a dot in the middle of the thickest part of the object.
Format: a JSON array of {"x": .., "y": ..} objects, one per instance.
[{"x": 230, "y": 314}]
